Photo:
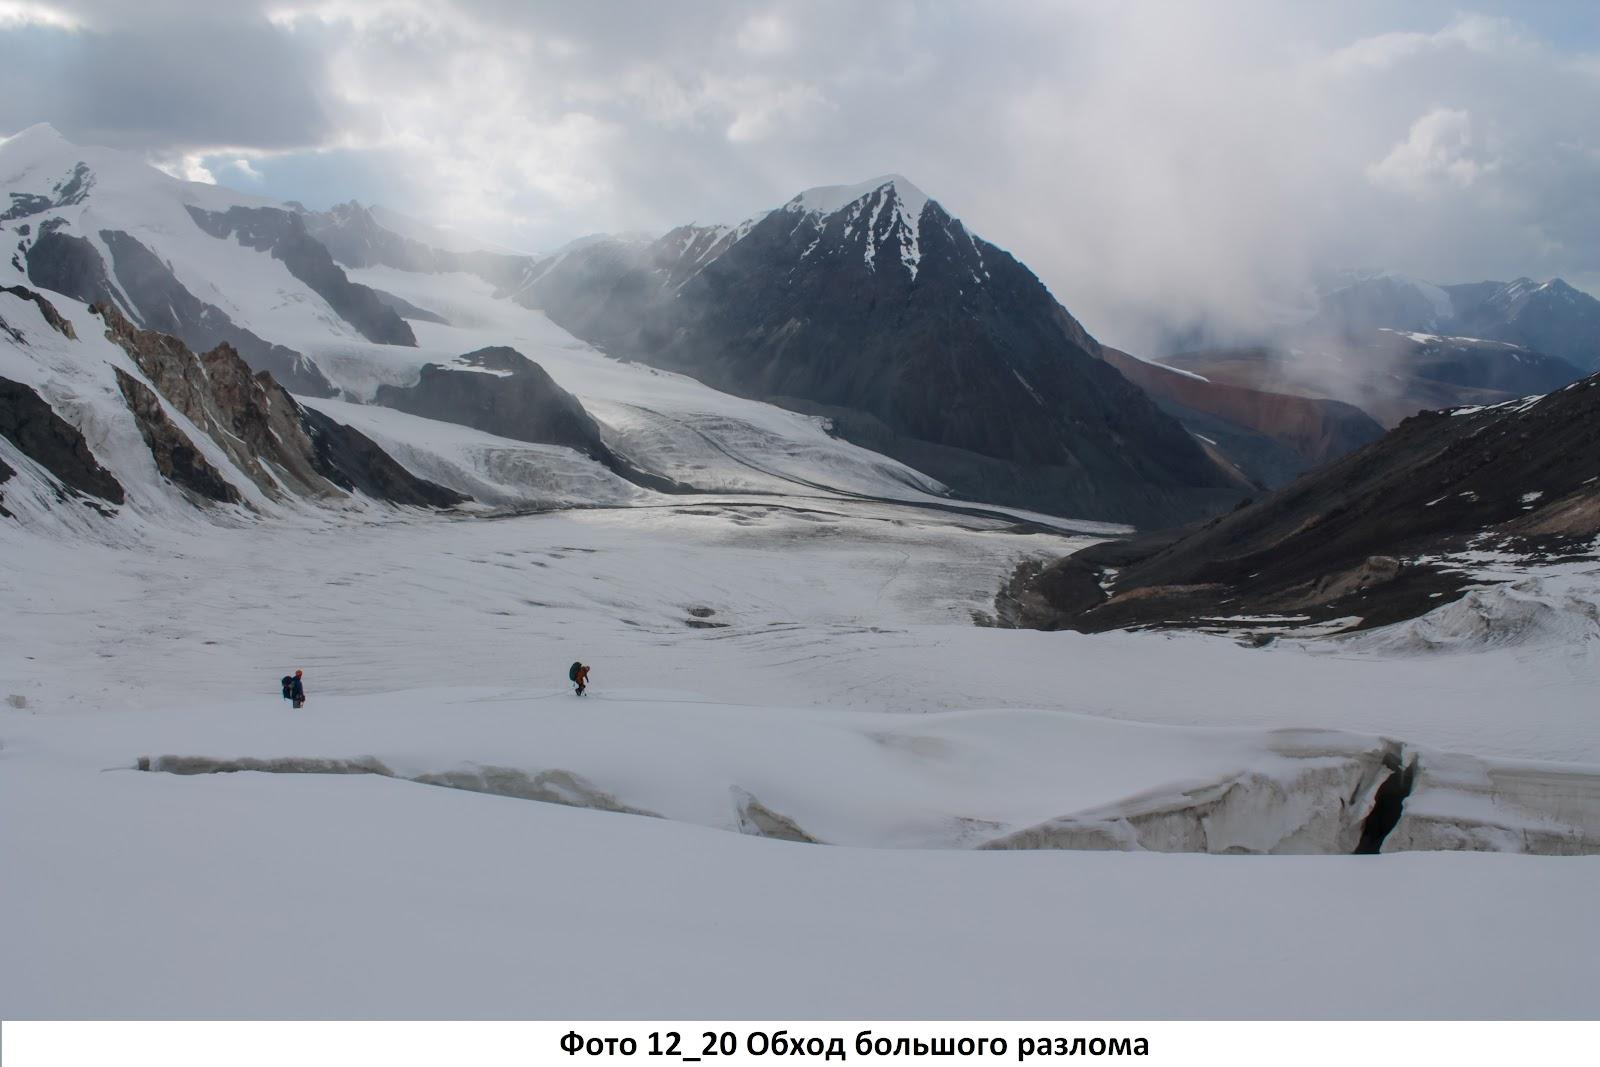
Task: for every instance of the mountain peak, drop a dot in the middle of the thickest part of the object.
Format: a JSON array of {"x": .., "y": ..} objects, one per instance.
[
  {"x": 36, "y": 143},
  {"x": 826, "y": 199},
  {"x": 41, "y": 132}
]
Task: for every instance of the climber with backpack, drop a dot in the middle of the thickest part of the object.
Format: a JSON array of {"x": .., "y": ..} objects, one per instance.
[
  {"x": 294, "y": 688},
  {"x": 578, "y": 675}
]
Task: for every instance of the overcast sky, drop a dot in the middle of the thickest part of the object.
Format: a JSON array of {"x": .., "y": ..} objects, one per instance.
[{"x": 1161, "y": 166}]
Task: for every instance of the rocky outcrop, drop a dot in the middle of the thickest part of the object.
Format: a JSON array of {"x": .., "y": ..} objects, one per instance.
[
  {"x": 48, "y": 310},
  {"x": 163, "y": 304},
  {"x": 282, "y": 448},
  {"x": 283, "y": 234},
  {"x": 250, "y": 417},
  {"x": 29, "y": 423},
  {"x": 350, "y": 460},
  {"x": 72, "y": 267},
  {"x": 6, "y": 474},
  {"x": 1361, "y": 538},
  {"x": 72, "y": 189},
  {"x": 913, "y": 336},
  {"x": 500, "y": 391},
  {"x": 176, "y": 457}
]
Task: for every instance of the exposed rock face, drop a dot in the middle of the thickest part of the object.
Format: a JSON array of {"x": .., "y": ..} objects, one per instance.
[
  {"x": 283, "y": 234},
  {"x": 916, "y": 338},
  {"x": 6, "y": 474},
  {"x": 72, "y": 189},
  {"x": 251, "y": 418},
  {"x": 350, "y": 460},
  {"x": 500, "y": 391},
  {"x": 28, "y": 422},
  {"x": 164, "y": 304},
  {"x": 70, "y": 266},
  {"x": 47, "y": 309},
  {"x": 280, "y": 446},
  {"x": 1312, "y": 431},
  {"x": 177, "y": 458},
  {"x": 1352, "y": 539}
]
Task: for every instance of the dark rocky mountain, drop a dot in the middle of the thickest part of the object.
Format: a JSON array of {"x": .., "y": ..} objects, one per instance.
[
  {"x": 1360, "y": 538},
  {"x": 1550, "y": 317},
  {"x": 283, "y": 234},
  {"x": 1270, "y": 437},
  {"x": 872, "y": 306},
  {"x": 1358, "y": 302}
]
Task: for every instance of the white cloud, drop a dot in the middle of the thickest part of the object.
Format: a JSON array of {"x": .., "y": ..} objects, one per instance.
[
  {"x": 765, "y": 34},
  {"x": 1160, "y": 165},
  {"x": 189, "y": 167},
  {"x": 1439, "y": 152},
  {"x": 17, "y": 13}
]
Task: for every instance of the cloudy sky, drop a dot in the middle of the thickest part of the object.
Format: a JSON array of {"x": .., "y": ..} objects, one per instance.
[{"x": 1162, "y": 166}]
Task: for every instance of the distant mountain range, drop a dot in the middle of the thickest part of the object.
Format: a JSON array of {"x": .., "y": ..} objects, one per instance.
[
  {"x": 873, "y": 308},
  {"x": 916, "y": 356},
  {"x": 1393, "y": 345},
  {"x": 1551, "y": 318}
]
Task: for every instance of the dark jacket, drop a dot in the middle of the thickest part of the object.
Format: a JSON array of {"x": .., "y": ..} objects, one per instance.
[{"x": 297, "y": 689}]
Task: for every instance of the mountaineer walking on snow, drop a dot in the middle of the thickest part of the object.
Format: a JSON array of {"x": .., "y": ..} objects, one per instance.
[
  {"x": 578, "y": 674},
  {"x": 294, "y": 689}
]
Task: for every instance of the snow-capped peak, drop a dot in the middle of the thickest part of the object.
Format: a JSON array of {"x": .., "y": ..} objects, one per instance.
[
  {"x": 877, "y": 194},
  {"x": 39, "y": 133},
  {"x": 826, "y": 199}
]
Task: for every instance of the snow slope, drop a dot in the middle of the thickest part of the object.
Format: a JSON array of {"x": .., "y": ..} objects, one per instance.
[
  {"x": 247, "y": 896},
  {"x": 254, "y": 289},
  {"x": 667, "y": 423},
  {"x": 816, "y": 656},
  {"x": 788, "y": 652},
  {"x": 664, "y": 423}
]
